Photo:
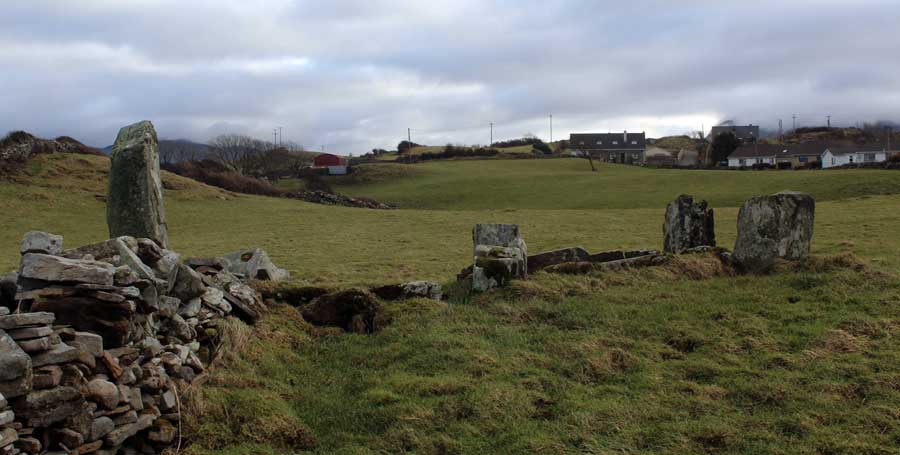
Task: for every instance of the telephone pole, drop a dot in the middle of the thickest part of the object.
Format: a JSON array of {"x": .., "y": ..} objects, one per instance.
[
  {"x": 780, "y": 130},
  {"x": 280, "y": 135},
  {"x": 551, "y": 128},
  {"x": 492, "y": 135},
  {"x": 794, "y": 121},
  {"x": 829, "y": 121},
  {"x": 275, "y": 138},
  {"x": 409, "y": 136}
]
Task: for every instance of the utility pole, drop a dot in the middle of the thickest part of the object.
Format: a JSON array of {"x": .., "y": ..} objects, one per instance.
[
  {"x": 492, "y": 135},
  {"x": 794, "y": 122},
  {"x": 275, "y": 138},
  {"x": 551, "y": 128},
  {"x": 409, "y": 136},
  {"x": 280, "y": 135},
  {"x": 780, "y": 131},
  {"x": 829, "y": 121}
]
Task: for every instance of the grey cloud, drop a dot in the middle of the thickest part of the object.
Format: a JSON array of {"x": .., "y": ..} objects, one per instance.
[{"x": 355, "y": 74}]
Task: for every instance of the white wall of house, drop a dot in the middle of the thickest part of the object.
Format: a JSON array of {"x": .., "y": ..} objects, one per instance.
[
  {"x": 833, "y": 160},
  {"x": 337, "y": 170},
  {"x": 748, "y": 162}
]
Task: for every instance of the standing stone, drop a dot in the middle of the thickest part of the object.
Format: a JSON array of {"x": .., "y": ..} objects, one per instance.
[
  {"x": 135, "y": 203},
  {"x": 776, "y": 226},
  {"x": 688, "y": 225},
  {"x": 500, "y": 255}
]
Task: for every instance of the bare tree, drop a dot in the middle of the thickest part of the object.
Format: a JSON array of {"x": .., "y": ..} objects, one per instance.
[{"x": 236, "y": 151}]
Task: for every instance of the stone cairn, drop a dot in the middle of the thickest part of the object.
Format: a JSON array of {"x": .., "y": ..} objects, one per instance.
[
  {"x": 500, "y": 256},
  {"x": 773, "y": 227},
  {"x": 105, "y": 336},
  {"x": 688, "y": 225}
]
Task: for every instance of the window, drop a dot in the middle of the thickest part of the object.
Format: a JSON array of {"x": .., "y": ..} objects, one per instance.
[
  {"x": 615, "y": 142},
  {"x": 802, "y": 159},
  {"x": 633, "y": 142},
  {"x": 851, "y": 158},
  {"x": 833, "y": 161},
  {"x": 599, "y": 142},
  {"x": 742, "y": 162},
  {"x": 581, "y": 143},
  {"x": 869, "y": 157}
]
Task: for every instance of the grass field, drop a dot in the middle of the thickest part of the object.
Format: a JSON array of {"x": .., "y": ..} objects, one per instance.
[{"x": 680, "y": 359}]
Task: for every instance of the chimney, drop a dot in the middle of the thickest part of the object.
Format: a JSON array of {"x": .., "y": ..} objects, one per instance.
[{"x": 625, "y": 137}]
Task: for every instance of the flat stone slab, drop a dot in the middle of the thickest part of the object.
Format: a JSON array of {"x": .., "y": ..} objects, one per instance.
[
  {"x": 541, "y": 260},
  {"x": 18, "y": 320},
  {"x": 14, "y": 362},
  {"x": 58, "y": 269},
  {"x": 60, "y": 353},
  {"x": 29, "y": 333}
]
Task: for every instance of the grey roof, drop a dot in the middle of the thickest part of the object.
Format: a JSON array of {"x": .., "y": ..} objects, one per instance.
[
  {"x": 608, "y": 141},
  {"x": 740, "y": 131},
  {"x": 757, "y": 151},
  {"x": 812, "y": 148}
]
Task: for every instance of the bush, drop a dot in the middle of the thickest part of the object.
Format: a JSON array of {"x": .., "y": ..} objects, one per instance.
[
  {"x": 452, "y": 151},
  {"x": 217, "y": 174}
]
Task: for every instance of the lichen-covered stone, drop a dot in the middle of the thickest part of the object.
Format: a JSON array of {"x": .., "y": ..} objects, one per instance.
[
  {"x": 41, "y": 242},
  {"x": 500, "y": 255},
  {"x": 772, "y": 227},
  {"x": 254, "y": 263},
  {"x": 546, "y": 259},
  {"x": 688, "y": 224},
  {"x": 135, "y": 202},
  {"x": 36, "y": 266}
]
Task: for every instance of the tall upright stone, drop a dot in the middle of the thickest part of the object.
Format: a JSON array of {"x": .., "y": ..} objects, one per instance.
[
  {"x": 772, "y": 227},
  {"x": 135, "y": 203},
  {"x": 688, "y": 225}
]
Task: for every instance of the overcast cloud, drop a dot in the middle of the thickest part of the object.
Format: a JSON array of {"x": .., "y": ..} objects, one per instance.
[{"x": 355, "y": 74}]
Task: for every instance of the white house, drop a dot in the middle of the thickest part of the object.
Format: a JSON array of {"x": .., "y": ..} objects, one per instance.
[
  {"x": 843, "y": 155},
  {"x": 754, "y": 154}
]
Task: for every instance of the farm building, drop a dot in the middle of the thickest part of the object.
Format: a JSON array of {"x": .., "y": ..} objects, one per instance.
[
  {"x": 336, "y": 165},
  {"x": 625, "y": 148}
]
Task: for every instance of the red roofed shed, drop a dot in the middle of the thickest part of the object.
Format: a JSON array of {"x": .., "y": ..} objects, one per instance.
[{"x": 327, "y": 159}]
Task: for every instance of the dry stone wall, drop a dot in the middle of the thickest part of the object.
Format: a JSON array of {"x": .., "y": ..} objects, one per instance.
[{"x": 102, "y": 338}]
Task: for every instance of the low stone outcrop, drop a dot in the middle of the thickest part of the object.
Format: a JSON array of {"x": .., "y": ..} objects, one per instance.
[
  {"x": 500, "y": 255},
  {"x": 773, "y": 227},
  {"x": 410, "y": 290},
  {"x": 542, "y": 260},
  {"x": 353, "y": 310},
  {"x": 134, "y": 205},
  {"x": 688, "y": 224},
  {"x": 254, "y": 263},
  {"x": 106, "y": 337}
]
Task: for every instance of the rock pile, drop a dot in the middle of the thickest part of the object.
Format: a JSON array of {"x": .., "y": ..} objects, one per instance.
[
  {"x": 500, "y": 255},
  {"x": 688, "y": 225},
  {"x": 773, "y": 227},
  {"x": 327, "y": 198},
  {"x": 103, "y": 338}
]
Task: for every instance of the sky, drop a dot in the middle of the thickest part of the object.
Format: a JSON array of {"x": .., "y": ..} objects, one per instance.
[{"x": 354, "y": 75}]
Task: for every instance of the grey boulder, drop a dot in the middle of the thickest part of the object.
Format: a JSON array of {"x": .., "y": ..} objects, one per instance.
[
  {"x": 773, "y": 227},
  {"x": 688, "y": 224}
]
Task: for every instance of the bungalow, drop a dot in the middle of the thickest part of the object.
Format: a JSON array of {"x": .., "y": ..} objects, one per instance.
[
  {"x": 840, "y": 155},
  {"x": 799, "y": 155},
  {"x": 622, "y": 148},
  {"x": 755, "y": 154}
]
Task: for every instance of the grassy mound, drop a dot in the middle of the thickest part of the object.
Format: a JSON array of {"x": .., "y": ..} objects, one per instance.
[
  {"x": 679, "y": 359},
  {"x": 569, "y": 184}
]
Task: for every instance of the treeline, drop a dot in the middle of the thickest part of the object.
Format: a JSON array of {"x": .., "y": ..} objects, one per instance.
[
  {"x": 451, "y": 151},
  {"x": 532, "y": 141}
]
